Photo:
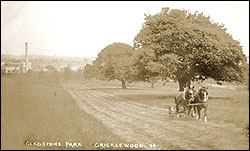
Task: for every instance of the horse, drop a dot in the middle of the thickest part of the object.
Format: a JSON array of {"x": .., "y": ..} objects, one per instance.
[
  {"x": 201, "y": 97},
  {"x": 183, "y": 99}
]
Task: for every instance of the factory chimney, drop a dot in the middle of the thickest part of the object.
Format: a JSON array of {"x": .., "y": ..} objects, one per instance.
[
  {"x": 26, "y": 56},
  {"x": 26, "y": 53}
]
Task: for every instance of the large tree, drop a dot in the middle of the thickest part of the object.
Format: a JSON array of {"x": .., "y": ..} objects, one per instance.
[
  {"x": 150, "y": 69},
  {"x": 115, "y": 62},
  {"x": 203, "y": 48}
]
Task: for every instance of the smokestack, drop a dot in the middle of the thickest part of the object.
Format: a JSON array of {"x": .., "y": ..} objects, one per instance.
[
  {"x": 26, "y": 57},
  {"x": 26, "y": 54}
]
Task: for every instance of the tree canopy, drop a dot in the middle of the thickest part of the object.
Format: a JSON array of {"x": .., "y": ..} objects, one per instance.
[
  {"x": 149, "y": 68},
  {"x": 115, "y": 62},
  {"x": 203, "y": 49},
  {"x": 88, "y": 71}
]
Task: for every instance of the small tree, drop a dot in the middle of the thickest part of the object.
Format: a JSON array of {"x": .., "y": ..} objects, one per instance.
[
  {"x": 51, "y": 68},
  {"x": 147, "y": 67},
  {"x": 88, "y": 71},
  {"x": 246, "y": 75},
  {"x": 150, "y": 68},
  {"x": 67, "y": 73}
]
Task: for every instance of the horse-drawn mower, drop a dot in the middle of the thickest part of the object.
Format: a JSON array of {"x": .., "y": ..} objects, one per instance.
[{"x": 188, "y": 101}]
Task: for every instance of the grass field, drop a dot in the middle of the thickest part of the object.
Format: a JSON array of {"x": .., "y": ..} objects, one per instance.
[
  {"x": 96, "y": 111},
  {"x": 31, "y": 112},
  {"x": 225, "y": 105}
]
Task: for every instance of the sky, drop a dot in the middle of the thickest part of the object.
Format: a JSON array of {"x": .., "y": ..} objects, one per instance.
[{"x": 83, "y": 29}]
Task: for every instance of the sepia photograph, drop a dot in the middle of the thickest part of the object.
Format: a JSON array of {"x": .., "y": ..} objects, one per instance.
[{"x": 124, "y": 75}]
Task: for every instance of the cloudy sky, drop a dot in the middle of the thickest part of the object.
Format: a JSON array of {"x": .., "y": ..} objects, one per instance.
[{"x": 85, "y": 28}]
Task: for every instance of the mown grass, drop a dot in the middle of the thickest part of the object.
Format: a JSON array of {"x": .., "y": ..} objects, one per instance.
[{"x": 225, "y": 105}]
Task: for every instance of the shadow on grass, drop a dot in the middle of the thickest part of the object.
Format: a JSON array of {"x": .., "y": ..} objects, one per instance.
[
  {"x": 111, "y": 89},
  {"x": 160, "y": 97}
]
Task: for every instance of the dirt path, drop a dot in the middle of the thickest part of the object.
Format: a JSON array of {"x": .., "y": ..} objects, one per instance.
[{"x": 144, "y": 124}]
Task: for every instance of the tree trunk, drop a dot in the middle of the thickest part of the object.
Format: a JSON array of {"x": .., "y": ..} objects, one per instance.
[
  {"x": 124, "y": 84},
  {"x": 153, "y": 81},
  {"x": 188, "y": 83},
  {"x": 152, "y": 84},
  {"x": 181, "y": 85},
  {"x": 183, "y": 82}
]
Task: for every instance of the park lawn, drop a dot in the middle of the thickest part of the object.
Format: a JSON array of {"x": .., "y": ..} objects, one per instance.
[
  {"x": 226, "y": 115},
  {"x": 225, "y": 105},
  {"x": 30, "y": 111}
]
